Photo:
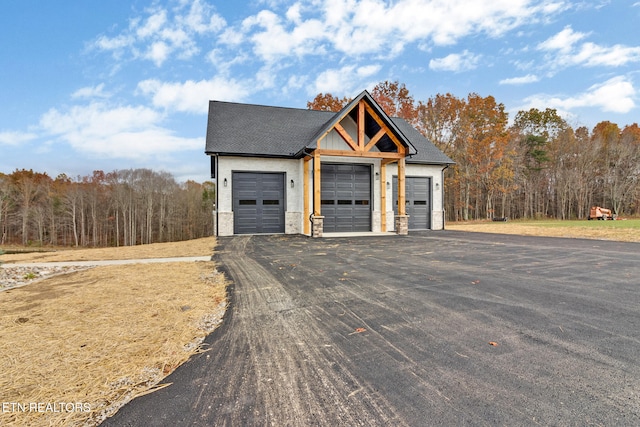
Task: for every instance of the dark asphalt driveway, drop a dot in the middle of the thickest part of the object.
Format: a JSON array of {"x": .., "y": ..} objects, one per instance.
[{"x": 437, "y": 328}]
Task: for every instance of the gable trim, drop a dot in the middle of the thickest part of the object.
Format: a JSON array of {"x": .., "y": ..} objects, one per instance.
[{"x": 364, "y": 104}]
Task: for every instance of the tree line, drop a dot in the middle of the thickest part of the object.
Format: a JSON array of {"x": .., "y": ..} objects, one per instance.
[
  {"x": 537, "y": 166},
  {"x": 120, "y": 208}
]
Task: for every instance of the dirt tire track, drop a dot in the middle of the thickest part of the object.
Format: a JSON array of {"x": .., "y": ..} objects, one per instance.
[
  {"x": 301, "y": 378},
  {"x": 285, "y": 371}
]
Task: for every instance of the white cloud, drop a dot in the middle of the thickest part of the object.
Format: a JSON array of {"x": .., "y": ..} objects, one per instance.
[
  {"x": 383, "y": 28},
  {"x": 274, "y": 41},
  {"x": 91, "y": 92},
  {"x": 158, "y": 53},
  {"x": 284, "y": 33},
  {"x": 293, "y": 13},
  {"x": 201, "y": 18},
  {"x": 334, "y": 81},
  {"x": 295, "y": 83},
  {"x": 615, "y": 56},
  {"x": 455, "y": 62},
  {"x": 193, "y": 96},
  {"x": 164, "y": 33},
  {"x": 529, "y": 78},
  {"x": 368, "y": 70},
  {"x": 118, "y": 132},
  {"x": 223, "y": 60},
  {"x": 616, "y": 95},
  {"x": 231, "y": 37},
  {"x": 565, "y": 50},
  {"x": 152, "y": 25},
  {"x": 16, "y": 138},
  {"x": 563, "y": 41},
  {"x": 113, "y": 43},
  {"x": 349, "y": 80}
]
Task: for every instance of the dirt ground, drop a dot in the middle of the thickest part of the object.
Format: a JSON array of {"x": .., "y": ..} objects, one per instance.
[
  {"x": 76, "y": 347},
  {"x": 530, "y": 229}
]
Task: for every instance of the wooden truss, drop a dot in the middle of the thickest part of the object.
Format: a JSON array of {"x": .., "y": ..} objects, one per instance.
[{"x": 359, "y": 148}]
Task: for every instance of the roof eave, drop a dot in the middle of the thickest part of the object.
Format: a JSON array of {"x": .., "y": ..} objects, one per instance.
[{"x": 262, "y": 155}]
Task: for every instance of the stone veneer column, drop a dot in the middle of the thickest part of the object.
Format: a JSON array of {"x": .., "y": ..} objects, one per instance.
[
  {"x": 402, "y": 224},
  {"x": 318, "y": 225}
]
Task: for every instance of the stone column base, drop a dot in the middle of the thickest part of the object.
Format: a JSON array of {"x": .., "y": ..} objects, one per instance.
[
  {"x": 317, "y": 224},
  {"x": 402, "y": 224}
]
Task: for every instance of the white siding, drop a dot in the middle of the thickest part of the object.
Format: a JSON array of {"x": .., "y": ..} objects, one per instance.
[
  {"x": 432, "y": 171},
  {"x": 294, "y": 208},
  {"x": 293, "y": 197},
  {"x": 333, "y": 140}
]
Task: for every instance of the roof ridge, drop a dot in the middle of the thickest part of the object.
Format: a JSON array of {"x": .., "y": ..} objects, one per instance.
[{"x": 268, "y": 106}]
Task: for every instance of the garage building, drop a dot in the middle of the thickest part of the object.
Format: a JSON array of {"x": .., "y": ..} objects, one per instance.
[{"x": 298, "y": 171}]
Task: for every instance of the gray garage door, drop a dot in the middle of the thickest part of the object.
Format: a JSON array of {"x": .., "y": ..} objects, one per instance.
[
  {"x": 346, "y": 197},
  {"x": 418, "y": 201},
  {"x": 258, "y": 202}
]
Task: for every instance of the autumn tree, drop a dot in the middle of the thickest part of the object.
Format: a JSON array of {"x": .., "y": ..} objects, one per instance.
[
  {"x": 540, "y": 166},
  {"x": 618, "y": 164},
  {"x": 28, "y": 190},
  {"x": 122, "y": 207},
  {"x": 5, "y": 200},
  {"x": 395, "y": 100},
  {"x": 631, "y": 137},
  {"x": 485, "y": 133},
  {"x": 439, "y": 119},
  {"x": 327, "y": 102},
  {"x": 585, "y": 157},
  {"x": 473, "y": 132},
  {"x": 538, "y": 133},
  {"x": 393, "y": 97}
]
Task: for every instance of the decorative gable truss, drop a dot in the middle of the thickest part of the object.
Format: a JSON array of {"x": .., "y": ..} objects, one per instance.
[
  {"x": 382, "y": 144},
  {"x": 374, "y": 136}
]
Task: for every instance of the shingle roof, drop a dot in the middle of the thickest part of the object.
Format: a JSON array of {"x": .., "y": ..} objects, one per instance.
[
  {"x": 258, "y": 130},
  {"x": 263, "y": 131},
  {"x": 428, "y": 153}
]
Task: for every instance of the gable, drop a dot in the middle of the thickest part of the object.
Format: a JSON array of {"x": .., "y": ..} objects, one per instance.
[{"x": 375, "y": 131}]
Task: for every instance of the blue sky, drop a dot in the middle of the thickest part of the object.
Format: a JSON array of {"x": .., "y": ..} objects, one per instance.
[{"x": 89, "y": 85}]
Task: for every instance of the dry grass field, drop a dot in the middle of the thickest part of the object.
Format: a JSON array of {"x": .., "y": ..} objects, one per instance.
[
  {"x": 76, "y": 347},
  {"x": 620, "y": 230},
  {"x": 197, "y": 247}
]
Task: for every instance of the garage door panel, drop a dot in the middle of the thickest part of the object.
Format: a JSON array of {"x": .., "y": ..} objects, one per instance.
[
  {"x": 258, "y": 202},
  {"x": 418, "y": 201},
  {"x": 343, "y": 186},
  {"x": 273, "y": 197},
  {"x": 346, "y": 197}
]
